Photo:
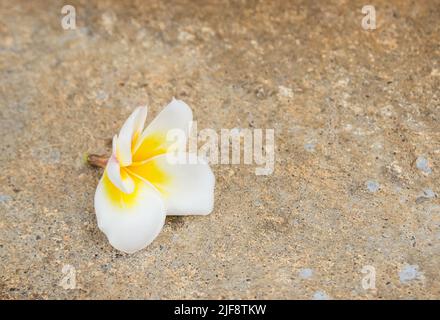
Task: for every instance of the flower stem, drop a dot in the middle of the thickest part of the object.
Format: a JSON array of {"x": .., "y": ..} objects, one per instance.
[{"x": 96, "y": 160}]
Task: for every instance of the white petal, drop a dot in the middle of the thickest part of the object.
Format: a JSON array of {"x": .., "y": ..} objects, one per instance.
[
  {"x": 176, "y": 115},
  {"x": 114, "y": 145},
  {"x": 132, "y": 223},
  {"x": 186, "y": 188},
  {"x": 139, "y": 123},
  {"x": 122, "y": 181},
  {"x": 132, "y": 127}
]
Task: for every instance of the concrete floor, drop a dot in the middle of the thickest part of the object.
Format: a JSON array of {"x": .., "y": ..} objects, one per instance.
[{"x": 356, "y": 116}]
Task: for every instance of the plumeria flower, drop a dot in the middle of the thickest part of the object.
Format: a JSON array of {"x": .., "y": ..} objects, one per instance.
[{"x": 140, "y": 186}]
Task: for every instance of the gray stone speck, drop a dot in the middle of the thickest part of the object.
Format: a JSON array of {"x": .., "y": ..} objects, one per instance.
[
  {"x": 423, "y": 164},
  {"x": 47, "y": 156},
  {"x": 408, "y": 273},
  {"x": 309, "y": 147},
  {"x": 54, "y": 156},
  {"x": 106, "y": 267},
  {"x": 306, "y": 273},
  {"x": 320, "y": 295},
  {"x": 102, "y": 95},
  {"x": 428, "y": 193},
  {"x": 372, "y": 186},
  {"x": 4, "y": 198},
  {"x": 257, "y": 203}
]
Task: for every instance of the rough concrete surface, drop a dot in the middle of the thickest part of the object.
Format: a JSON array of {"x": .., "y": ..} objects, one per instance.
[{"x": 356, "y": 116}]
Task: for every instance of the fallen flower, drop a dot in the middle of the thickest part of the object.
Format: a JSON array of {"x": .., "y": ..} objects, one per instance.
[{"x": 140, "y": 186}]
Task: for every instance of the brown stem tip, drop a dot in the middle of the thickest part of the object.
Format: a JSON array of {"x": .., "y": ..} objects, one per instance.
[{"x": 96, "y": 160}]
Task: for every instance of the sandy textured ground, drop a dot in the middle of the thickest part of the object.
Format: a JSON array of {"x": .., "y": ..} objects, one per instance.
[{"x": 356, "y": 116}]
